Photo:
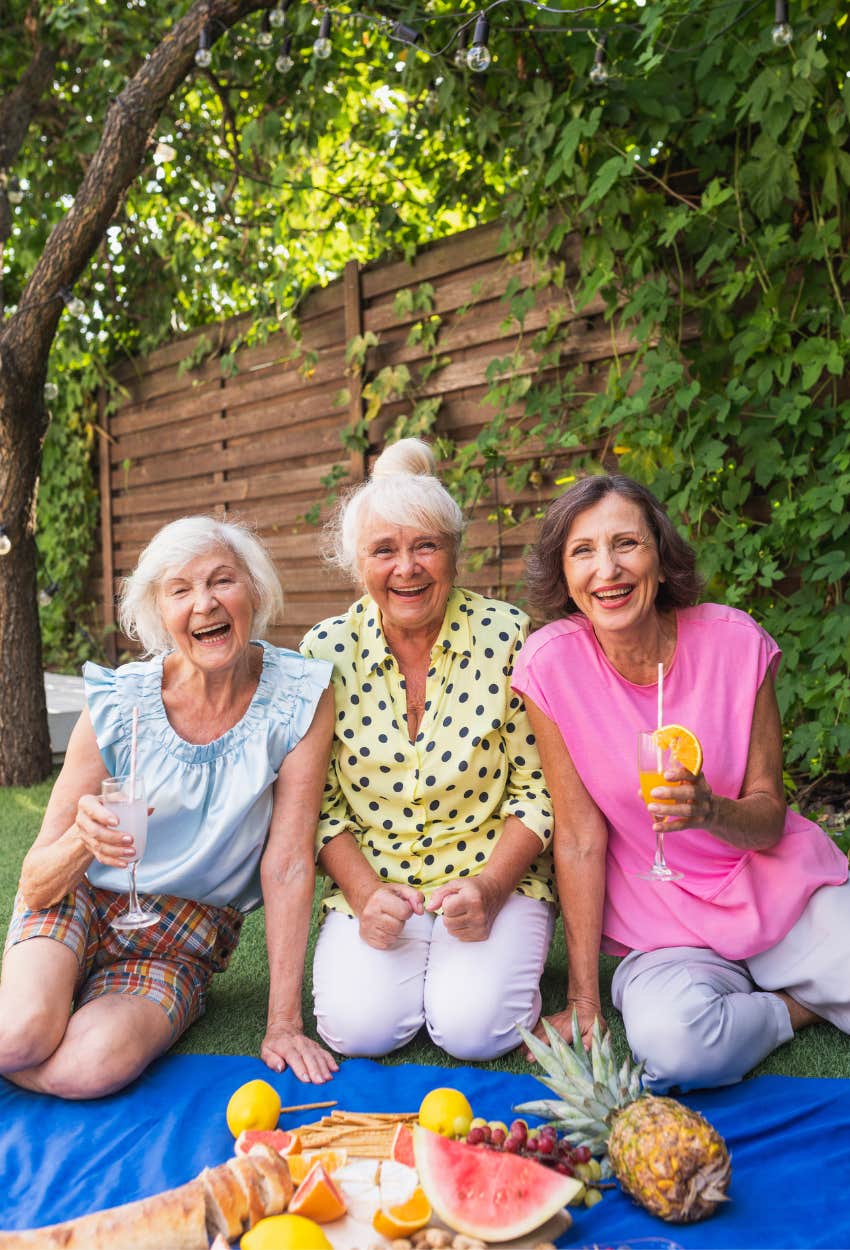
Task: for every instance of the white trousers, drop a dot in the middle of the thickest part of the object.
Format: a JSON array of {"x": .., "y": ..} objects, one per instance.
[
  {"x": 469, "y": 995},
  {"x": 698, "y": 1020}
]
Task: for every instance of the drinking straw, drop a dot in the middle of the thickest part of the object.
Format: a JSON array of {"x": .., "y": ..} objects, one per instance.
[
  {"x": 660, "y": 708},
  {"x": 134, "y": 746}
]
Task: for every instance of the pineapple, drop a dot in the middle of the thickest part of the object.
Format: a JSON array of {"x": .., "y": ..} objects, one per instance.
[{"x": 666, "y": 1156}]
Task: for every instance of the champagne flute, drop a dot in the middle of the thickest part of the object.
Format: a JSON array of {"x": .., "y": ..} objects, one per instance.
[
  {"x": 653, "y": 760},
  {"x": 125, "y": 797}
]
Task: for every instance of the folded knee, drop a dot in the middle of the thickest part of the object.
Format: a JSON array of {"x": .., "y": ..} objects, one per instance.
[
  {"x": 28, "y": 1036},
  {"x": 474, "y": 1030}
]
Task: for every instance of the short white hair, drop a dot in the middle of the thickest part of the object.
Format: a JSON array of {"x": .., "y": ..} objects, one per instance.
[
  {"x": 404, "y": 490},
  {"x": 173, "y": 547}
]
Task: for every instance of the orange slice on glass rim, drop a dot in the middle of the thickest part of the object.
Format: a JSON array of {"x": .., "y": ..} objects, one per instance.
[
  {"x": 404, "y": 1219},
  {"x": 682, "y": 744}
]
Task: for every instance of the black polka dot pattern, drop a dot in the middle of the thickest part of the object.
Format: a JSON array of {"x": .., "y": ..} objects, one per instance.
[{"x": 429, "y": 811}]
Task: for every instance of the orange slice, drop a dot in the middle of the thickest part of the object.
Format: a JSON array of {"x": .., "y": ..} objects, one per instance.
[
  {"x": 300, "y": 1164},
  {"x": 318, "y": 1198},
  {"x": 408, "y": 1217},
  {"x": 682, "y": 744}
]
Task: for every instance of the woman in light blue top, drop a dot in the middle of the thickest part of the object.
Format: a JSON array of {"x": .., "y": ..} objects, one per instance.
[{"x": 233, "y": 742}]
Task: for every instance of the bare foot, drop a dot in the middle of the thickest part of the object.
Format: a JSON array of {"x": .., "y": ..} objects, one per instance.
[{"x": 800, "y": 1015}]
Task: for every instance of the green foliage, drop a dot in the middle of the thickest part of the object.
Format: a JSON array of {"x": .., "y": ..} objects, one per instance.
[{"x": 707, "y": 183}]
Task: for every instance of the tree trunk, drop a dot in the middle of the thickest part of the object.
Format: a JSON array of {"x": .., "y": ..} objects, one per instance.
[
  {"x": 24, "y": 738},
  {"x": 26, "y": 337}
]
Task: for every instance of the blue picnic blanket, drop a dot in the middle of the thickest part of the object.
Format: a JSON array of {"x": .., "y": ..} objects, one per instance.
[{"x": 789, "y": 1138}]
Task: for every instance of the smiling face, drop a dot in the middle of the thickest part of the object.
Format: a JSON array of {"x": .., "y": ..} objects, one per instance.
[
  {"x": 208, "y": 607},
  {"x": 408, "y": 572},
  {"x": 611, "y": 565}
]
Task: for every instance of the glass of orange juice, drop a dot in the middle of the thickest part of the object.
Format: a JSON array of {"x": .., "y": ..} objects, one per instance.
[{"x": 652, "y": 762}]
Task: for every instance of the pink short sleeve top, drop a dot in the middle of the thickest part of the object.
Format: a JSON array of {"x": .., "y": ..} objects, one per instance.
[{"x": 732, "y": 901}]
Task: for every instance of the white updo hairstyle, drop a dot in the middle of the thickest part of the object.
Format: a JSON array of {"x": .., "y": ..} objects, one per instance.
[
  {"x": 170, "y": 550},
  {"x": 403, "y": 490}
]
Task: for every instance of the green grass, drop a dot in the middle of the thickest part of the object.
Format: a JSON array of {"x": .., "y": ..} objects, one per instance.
[{"x": 235, "y": 1019}]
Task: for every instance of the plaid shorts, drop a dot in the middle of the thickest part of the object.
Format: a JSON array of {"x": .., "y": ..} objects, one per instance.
[{"x": 170, "y": 963}]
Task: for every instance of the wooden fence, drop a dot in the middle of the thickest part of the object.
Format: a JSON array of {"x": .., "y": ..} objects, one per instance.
[{"x": 257, "y": 444}]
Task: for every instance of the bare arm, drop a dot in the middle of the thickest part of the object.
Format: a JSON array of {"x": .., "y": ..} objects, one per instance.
[
  {"x": 753, "y": 821},
  {"x": 76, "y": 828},
  {"x": 580, "y": 845},
  {"x": 288, "y": 878}
]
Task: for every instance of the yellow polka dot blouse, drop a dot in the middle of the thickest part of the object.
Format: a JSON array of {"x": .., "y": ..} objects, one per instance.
[{"x": 428, "y": 811}]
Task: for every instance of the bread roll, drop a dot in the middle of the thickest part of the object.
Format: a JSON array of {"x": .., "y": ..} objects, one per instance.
[{"x": 222, "y": 1202}]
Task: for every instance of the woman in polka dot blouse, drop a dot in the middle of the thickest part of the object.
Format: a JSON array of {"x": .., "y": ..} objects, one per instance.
[{"x": 435, "y": 829}]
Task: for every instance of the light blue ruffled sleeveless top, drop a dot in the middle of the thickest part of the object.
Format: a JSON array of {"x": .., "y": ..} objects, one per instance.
[{"x": 212, "y": 803}]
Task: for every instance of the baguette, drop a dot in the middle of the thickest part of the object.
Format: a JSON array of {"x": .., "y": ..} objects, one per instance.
[{"x": 224, "y": 1202}]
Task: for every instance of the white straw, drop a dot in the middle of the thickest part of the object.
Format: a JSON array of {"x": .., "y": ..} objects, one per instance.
[
  {"x": 660, "y": 695},
  {"x": 660, "y": 707},
  {"x": 134, "y": 746}
]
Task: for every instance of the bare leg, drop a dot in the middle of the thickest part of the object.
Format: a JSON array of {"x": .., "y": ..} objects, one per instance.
[
  {"x": 107, "y": 1043},
  {"x": 800, "y": 1015},
  {"x": 43, "y": 1047},
  {"x": 36, "y": 994}
]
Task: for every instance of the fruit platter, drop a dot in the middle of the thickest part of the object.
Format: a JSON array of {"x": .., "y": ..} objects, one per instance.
[{"x": 438, "y": 1176}]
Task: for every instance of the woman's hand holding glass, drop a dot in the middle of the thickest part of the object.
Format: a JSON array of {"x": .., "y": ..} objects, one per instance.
[
  {"x": 688, "y": 802},
  {"x": 98, "y": 829}
]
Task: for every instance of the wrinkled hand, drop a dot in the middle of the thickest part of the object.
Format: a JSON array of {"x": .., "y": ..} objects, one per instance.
[
  {"x": 386, "y": 912},
  {"x": 562, "y": 1021},
  {"x": 693, "y": 802},
  {"x": 285, "y": 1046},
  {"x": 98, "y": 830},
  {"x": 469, "y": 907}
]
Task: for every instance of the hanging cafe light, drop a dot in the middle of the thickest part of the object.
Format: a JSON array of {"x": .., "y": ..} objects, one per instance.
[
  {"x": 478, "y": 57},
  {"x": 782, "y": 32}
]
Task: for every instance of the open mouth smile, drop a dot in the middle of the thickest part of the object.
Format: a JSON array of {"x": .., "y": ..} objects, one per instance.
[
  {"x": 211, "y": 633},
  {"x": 613, "y": 596},
  {"x": 412, "y": 592}
]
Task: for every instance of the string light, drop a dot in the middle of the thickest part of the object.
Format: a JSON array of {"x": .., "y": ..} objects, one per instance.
[
  {"x": 73, "y": 303},
  {"x": 782, "y": 33},
  {"x": 203, "y": 56},
  {"x": 265, "y": 38},
  {"x": 460, "y": 50},
  {"x": 599, "y": 70},
  {"x": 284, "y": 62},
  {"x": 164, "y": 152},
  {"x": 277, "y": 17},
  {"x": 51, "y": 391},
  {"x": 14, "y": 191},
  {"x": 5, "y": 541},
  {"x": 322, "y": 46},
  {"x": 478, "y": 57},
  {"x": 47, "y": 594}
]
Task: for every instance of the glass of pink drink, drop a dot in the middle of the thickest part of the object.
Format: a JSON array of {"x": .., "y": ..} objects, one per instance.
[{"x": 132, "y": 813}]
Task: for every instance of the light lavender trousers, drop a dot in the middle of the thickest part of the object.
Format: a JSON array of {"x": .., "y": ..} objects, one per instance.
[{"x": 698, "y": 1020}]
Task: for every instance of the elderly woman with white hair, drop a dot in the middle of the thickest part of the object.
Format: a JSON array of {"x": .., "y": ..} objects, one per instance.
[
  {"x": 435, "y": 824},
  {"x": 232, "y": 742}
]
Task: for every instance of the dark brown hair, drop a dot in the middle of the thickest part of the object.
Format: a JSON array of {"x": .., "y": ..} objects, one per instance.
[{"x": 548, "y": 597}]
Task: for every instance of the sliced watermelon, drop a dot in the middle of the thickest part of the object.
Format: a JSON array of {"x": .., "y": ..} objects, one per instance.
[
  {"x": 488, "y": 1194},
  {"x": 281, "y": 1141},
  {"x": 402, "y": 1146}
]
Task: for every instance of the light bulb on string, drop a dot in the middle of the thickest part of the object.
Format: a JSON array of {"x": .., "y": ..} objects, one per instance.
[
  {"x": 461, "y": 49},
  {"x": 5, "y": 541},
  {"x": 74, "y": 304},
  {"x": 284, "y": 62},
  {"x": 47, "y": 594},
  {"x": 51, "y": 391},
  {"x": 265, "y": 38},
  {"x": 322, "y": 46},
  {"x": 782, "y": 33},
  {"x": 203, "y": 55},
  {"x": 478, "y": 57},
  {"x": 14, "y": 191},
  {"x": 277, "y": 17},
  {"x": 599, "y": 70}
]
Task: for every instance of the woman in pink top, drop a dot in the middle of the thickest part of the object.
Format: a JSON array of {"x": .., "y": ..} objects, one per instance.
[{"x": 753, "y": 940}]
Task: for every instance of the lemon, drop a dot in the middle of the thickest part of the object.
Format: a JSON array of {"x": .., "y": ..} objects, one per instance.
[
  {"x": 255, "y": 1105},
  {"x": 447, "y": 1112},
  {"x": 285, "y": 1232}
]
